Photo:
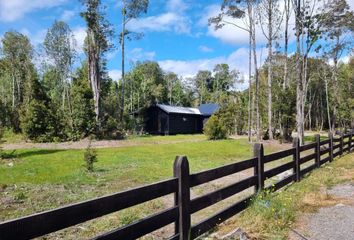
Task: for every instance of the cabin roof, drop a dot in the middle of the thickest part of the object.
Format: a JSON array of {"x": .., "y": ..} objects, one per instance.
[
  {"x": 181, "y": 110},
  {"x": 208, "y": 109}
]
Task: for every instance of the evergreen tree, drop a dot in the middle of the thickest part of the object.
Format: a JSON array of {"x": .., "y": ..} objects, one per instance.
[{"x": 83, "y": 113}]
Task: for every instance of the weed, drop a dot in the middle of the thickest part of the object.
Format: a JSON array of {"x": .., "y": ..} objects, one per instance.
[
  {"x": 90, "y": 157},
  {"x": 20, "y": 197},
  {"x": 129, "y": 216}
]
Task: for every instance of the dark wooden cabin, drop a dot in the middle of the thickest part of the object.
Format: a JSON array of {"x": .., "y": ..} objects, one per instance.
[{"x": 169, "y": 120}]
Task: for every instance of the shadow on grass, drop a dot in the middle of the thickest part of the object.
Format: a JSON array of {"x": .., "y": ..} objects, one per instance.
[{"x": 31, "y": 153}]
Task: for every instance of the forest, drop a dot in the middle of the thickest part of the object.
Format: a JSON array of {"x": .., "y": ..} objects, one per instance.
[{"x": 49, "y": 95}]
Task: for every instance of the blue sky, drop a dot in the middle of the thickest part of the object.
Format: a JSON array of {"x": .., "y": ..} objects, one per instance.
[{"x": 176, "y": 32}]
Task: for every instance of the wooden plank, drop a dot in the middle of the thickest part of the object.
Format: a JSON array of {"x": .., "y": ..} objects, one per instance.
[
  {"x": 142, "y": 227},
  {"x": 336, "y": 154},
  {"x": 278, "y": 155},
  {"x": 212, "y": 174},
  {"x": 175, "y": 237},
  {"x": 209, "y": 199},
  {"x": 324, "y": 151},
  {"x": 324, "y": 142},
  {"x": 323, "y": 161},
  {"x": 336, "y": 146},
  {"x": 219, "y": 217},
  {"x": 307, "y": 146},
  {"x": 50, "y": 221},
  {"x": 307, "y": 158},
  {"x": 277, "y": 170},
  {"x": 336, "y": 139},
  {"x": 308, "y": 169}
]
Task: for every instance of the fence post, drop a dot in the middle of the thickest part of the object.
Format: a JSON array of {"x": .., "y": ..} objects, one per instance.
[
  {"x": 258, "y": 152},
  {"x": 317, "y": 150},
  {"x": 296, "y": 158},
  {"x": 341, "y": 144},
  {"x": 181, "y": 171},
  {"x": 350, "y": 142},
  {"x": 330, "y": 136}
]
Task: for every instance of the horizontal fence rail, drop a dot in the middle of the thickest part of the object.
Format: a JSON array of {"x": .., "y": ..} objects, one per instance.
[{"x": 293, "y": 164}]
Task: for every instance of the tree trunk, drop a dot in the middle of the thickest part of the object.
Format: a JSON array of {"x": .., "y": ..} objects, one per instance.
[
  {"x": 270, "y": 42},
  {"x": 250, "y": 120},
  {"x": 299, "y": 86},
  {"x": 286, "y": 37},
  {"x": 257, "y": 83},
  {"x": 123, "y": 62},
  {"x": 93, "y": 64},
  {"x": 13, "y": 91}
]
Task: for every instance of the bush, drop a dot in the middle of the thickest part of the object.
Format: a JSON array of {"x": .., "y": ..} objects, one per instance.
[
  {"x": 111, "y": 129},
  {"x": 38, "y": 122},
  {"x": 90, "y": 157},
  {"x": 215, "y": 128}
]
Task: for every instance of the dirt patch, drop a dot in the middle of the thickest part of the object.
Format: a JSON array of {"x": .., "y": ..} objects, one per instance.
[
  {"x": 334, "y": 218},
  {"x": 82, "y": 144}
]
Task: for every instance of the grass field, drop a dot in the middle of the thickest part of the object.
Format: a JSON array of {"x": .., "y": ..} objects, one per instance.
[{"x": 33, "y": 180}]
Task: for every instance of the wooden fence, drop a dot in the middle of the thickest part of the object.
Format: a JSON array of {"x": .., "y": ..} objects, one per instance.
[{"x": 180, "y": 185}]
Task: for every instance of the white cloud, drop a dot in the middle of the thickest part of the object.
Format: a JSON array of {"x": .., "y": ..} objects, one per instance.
[
  {"x": 67, "y": 15},
  {"x": 233, "y": 35},
  {"x": 237, "y": 60},
  {"x": 36, "y": 38},
  {"x": 173, "y": 20},
  {"x": 166, "y": 22},
  {"x": 11, "y": 10},
  {"x": 80, "y": 35},
  {"x": 229, "y": 33},
  {"x": 139, "y": 54},
  {"x": 176, "y": 6},
  {"x": 115, "y": 74},
  {"x": 351, "y": 4},
  {"x": 205, "y": 48}
]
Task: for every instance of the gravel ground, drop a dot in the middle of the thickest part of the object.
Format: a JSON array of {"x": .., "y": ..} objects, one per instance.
[{"x": 331, "y": 223}]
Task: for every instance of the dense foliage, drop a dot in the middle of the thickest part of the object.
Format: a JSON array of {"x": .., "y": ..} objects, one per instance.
[{"x": 61, "y": 99}]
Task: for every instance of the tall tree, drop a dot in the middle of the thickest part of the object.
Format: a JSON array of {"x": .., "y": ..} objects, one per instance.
[
  {"x": 97, "y": 44},
  {"x": 18, "y": 53},
  {"x": 287, "y": 13},
  {"x": 269, "y": 10},
  {"x": 203, "y": 84},
  {"x": 130, "y": 9},
  {"x": 60, "y": 46},
  {"x": 235, "y": 9},
  {"x": 337, "y": 23}
]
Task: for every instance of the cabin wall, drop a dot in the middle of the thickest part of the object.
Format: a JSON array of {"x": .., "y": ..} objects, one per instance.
[
  {"x": 159, "y": 122},
  {"x": 185, "y": 123}
]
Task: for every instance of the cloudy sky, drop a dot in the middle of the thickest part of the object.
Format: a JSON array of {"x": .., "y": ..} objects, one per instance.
[{"x": 177, "y": 34}]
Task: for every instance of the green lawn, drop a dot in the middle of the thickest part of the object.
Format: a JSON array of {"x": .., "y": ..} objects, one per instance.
[
  {"x": 139, "y": 164},
  {"x": 40, "y": 179}
]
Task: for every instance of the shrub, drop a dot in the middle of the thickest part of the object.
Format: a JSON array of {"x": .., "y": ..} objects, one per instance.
[
  {"x": 215, "y": 128},
  {"x": 90, "y": 157},
  {"x": 111, "y": 128},
  {"x": 38, "y": 122}
]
